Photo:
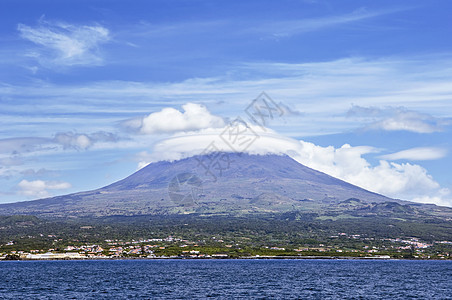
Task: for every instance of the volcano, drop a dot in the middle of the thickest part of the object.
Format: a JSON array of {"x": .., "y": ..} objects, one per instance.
[{"x": 217, "y": 184}]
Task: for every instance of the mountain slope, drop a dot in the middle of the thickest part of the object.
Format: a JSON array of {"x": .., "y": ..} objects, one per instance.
[{"x": 219, "y": 183}]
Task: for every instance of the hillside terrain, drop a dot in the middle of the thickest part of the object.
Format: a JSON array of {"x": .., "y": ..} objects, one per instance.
[{"x": 227, "y": 184}]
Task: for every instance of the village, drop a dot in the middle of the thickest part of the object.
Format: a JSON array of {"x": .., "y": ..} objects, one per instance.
[{"x": 172, "y": 247}]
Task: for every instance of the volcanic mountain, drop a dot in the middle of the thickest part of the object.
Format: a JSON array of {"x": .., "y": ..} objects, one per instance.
[{"x": 222, "y": 183}]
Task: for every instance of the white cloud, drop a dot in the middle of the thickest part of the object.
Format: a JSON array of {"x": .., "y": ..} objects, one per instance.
[
  {"x": 321, "y": 90},
  {"x": 66, "y": 44},
  {"x": 81, "y": 141},
  {"x": 40, "y": 188},
  {"x": 419, "y": 153},
  {"x": 408, "y": 121},
  {"x": 71, "y": 140},
  {"x": 443, "y": 197},
  {"x": 196, "y": 142},
  {"x": 293, "y": 27},
  {"x": 21, "y": 145},
  {"x": 404, "y": 181},
  {"x": 68, "y": 140},
  {"x": 398, "y": 118},
  {"x": 168, "y": 120}
]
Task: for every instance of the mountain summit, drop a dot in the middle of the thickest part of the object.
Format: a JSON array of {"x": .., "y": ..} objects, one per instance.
[{"x": 217, "y": 183}]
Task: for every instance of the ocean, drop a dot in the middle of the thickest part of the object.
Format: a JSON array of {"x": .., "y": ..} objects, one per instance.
[{"x": 226, "y": 279}]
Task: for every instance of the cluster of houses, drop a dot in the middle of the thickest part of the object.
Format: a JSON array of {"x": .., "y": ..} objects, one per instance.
[
  {"x": 51, "y": 255},
  {"x": 409, "y": 242},
  {"x": 147, "y": 248},
  {"x": 412, "y": 242}
]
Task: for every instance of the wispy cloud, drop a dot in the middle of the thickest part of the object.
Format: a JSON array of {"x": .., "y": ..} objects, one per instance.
[
  {"x": 149, "y": 30},
  {"x": 40, "y": 188},
  {"x": 418, "y": 153},
  {"x": 398, "y": 118},
  {"x": 409, "y": 121},
  {"x": 63, "y": 44},
  {"x": 293, "y": 27},
  {"x": 64, "y": 140},
  {"x": 21, "y": 157},
  {"x": 15, "y": 146},
  {"x": 335, "y": 84},
  {"x": 82, "y": 141}
]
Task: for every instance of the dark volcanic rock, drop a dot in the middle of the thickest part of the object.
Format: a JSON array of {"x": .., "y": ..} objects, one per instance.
[{"x": 218, "y": 183}]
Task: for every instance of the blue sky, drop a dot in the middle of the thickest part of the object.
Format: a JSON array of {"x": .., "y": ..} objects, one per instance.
[{"x": 92, "y": 90}]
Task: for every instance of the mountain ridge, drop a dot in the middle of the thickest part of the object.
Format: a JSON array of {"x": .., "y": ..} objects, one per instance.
[{"x": 244, "y": 184}]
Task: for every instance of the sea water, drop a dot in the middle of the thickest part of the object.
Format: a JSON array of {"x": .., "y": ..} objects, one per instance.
[{"x": 226, "y": 279}]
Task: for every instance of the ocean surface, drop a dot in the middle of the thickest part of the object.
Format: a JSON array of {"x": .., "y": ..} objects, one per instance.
[{"x": 226, "y": 279}]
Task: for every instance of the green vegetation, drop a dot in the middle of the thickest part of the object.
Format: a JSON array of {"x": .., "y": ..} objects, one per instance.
[{"x": 287, "y": 234}]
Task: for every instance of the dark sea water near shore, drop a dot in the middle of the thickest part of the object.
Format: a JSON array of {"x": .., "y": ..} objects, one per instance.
[{"x": 227, "y": 279}]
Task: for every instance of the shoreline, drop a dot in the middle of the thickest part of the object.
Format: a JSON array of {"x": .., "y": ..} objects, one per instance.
[{"x": 229, "y": 258}]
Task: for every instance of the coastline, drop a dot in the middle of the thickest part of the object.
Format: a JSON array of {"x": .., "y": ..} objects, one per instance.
[{"x": 231, "y": 258}]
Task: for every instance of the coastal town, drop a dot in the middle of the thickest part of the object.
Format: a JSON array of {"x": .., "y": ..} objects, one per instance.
[{"x": 215, "y": 248}]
